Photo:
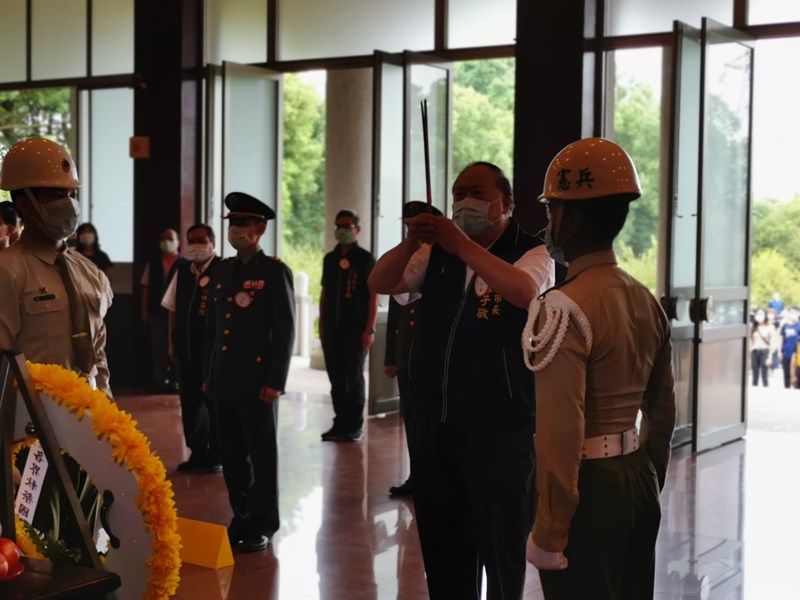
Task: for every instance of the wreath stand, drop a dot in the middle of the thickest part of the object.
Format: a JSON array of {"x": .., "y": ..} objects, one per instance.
[{"x": 43, "y": 579}]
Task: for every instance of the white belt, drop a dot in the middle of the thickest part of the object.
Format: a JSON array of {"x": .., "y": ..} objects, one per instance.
[{"x": 613, "y": 444}]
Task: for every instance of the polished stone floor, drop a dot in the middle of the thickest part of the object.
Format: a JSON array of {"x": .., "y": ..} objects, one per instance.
[{"x": 730, "y": 529}]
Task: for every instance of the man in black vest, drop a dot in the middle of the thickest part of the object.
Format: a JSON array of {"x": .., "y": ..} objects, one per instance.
[
  {"x": 347, "y": 315},
  {"x": 248, "y": 348},
  {"x": 474, "y": 405},
  {"x": 186, "y": 299}
]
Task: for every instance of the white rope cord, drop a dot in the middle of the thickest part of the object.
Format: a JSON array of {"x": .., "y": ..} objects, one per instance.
[{"x": 558, "y": 309}]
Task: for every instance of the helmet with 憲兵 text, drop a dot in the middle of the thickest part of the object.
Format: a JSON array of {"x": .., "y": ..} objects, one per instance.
[{"x": 38, "y": 162}]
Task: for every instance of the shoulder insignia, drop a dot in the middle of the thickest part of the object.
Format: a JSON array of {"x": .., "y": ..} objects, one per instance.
[{"x": 558, "y": 310}]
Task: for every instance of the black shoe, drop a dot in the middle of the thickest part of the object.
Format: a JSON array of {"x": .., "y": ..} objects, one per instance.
[
  {"x": 254, "y": 543},
  {"x": 332, "y": 435},
  {"x": 404, "y": 489},
  {"x": 212, "y": 468},
  {"x": 352, "y": 436},
  {"x": 190, "y": 466}
]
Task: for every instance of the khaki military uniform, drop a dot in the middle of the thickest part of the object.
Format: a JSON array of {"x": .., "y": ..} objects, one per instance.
[
  {"x": 35, "y": 309},
  {"x": 604, "y": 513}
]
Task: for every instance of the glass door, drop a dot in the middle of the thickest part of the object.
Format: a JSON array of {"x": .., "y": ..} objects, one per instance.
[
  {"x": 427, "y": 78},
  {"x": 252, "y": 142},
  {"x": 681, "y": 218},
  {"x": 707, "y": 274},
  {"x": 719, "y": 307}
]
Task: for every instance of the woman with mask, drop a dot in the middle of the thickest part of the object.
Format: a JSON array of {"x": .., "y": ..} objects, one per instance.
[
  {"x": 763, "y": 341},
  {"x": 88, "y": 244}
]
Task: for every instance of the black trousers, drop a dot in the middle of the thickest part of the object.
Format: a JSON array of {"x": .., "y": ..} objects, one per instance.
[
  {"x": 199, "y": 415},
  {"x": 787, "y": 371},
  {"x": 407, "y": 410},
  {"x": 248, "y": 436},
  {"x": 611, "y": 547},
  {"x": 344, "y": 361},
  {"x": 474, "y": 499},
  {"x": 163, "y": 368},
  {"x": 759, "y": 365}
]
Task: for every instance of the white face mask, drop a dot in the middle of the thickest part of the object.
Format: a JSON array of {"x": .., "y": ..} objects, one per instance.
[
  {"x": 59, "y": 217},
  {"x": 87, "y": 239},
  {"x": 472, "y": 215},
  {"x": 242, "y": 237},
  {"x": 199, "y": 253},
  {"x": 168, "y": 246}
]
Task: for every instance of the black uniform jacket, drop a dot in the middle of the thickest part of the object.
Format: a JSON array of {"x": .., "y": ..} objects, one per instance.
[{"x": 249, "y": 326}]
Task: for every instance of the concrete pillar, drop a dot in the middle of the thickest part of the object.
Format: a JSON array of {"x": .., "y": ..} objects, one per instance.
[{"x": 348, "y": 150}]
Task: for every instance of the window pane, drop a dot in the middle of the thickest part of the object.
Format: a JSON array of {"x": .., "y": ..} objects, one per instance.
[
  {"x": 635, "y": 124},
  {"x": 776, "y": 122},
  {"x": 483, "y": 113},
  {"x": 629, "y": 17},
  {"x": 773, "y": 11},
  {"x": 480, "y": 23},
  {"x": 353, "y": 27},
  {"x": 390, "y": 171},
  {"x": 236, "y": 30},
  {"x": 12, "y": 32},
  {"x": 59, "y": 39},
  {"x": 111, "y": 180},
  {"x": 112, "y": 37}
]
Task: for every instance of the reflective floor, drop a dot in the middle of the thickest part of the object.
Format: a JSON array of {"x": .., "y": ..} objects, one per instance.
[{"x": 730, "y": 529}]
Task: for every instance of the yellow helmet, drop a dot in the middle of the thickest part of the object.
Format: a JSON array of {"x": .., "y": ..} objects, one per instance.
[
  {"x": 38, "y": 162},
  {"x": 591, "y": 168}
]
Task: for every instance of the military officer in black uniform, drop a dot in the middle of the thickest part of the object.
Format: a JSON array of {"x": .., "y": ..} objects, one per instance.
[{"x": 249, "y": 340}]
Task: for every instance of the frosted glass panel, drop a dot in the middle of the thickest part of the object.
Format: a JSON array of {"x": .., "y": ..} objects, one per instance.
[
  {"x": 629, "y": 17},
  {"x": 12, "y": 32},
  {"x": 112, "y": 37},
  {"x": 720, "y": 385},
  {"x": 252, "y": 147},
  {"x": 59, "y": 39},
  {"x": 430, "y": 83},
  {"x": 725, "y": 166},
  {"x": 236, "y": 30},
  {"x": 773, "y": 11},
  {"x": 776, "y": 121},
  {"x": 479, "y": 23},
  {"x": 352, "y": 27},
  {"x": 111, "y": 198},
  {"x": 390, "y": 169}
]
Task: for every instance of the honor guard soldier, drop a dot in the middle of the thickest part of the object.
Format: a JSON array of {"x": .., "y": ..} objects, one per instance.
[
  {"x": 474, "y": 406},
  {"x": 601, "y": 353},
  {"x": 249, "y": 341},
  {"x": 52, "y": 299}
]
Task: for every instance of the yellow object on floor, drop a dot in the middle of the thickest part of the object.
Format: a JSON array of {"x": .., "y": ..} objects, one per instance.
[{"x": 204, "y": 544}]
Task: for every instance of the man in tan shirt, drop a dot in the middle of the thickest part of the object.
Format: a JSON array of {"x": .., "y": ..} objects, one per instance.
[
  {"x": 598, "y": 477},
  {"x": 52, "y": 300}
]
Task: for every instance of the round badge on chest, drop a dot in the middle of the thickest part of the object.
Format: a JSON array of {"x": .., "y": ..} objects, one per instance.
[
  {"x": 344, "y": 264},
  {"x": 243, "y": 299},
  {"x": 204, "y": 281},
  {"x": 480, "y": 286}
]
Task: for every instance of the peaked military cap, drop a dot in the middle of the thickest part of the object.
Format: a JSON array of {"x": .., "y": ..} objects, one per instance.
[{"x": 244, "y": 205}]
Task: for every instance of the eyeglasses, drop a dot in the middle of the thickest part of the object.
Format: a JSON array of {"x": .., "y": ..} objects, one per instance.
[{"x": 345, "y": 227}]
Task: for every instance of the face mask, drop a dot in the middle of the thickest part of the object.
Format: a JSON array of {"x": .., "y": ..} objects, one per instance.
[
  {"x": 344, "y": 235},
  {"x": 87, "y": 239},
  {"x": 59, "y": 218},
  {"x": 168, "y": 246},
  {"x": 760, "y": 317},
  {"x": 199, "y": 253},
  {"x": 241, "y": 237},
  {"x": 471, "y": 215}
]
